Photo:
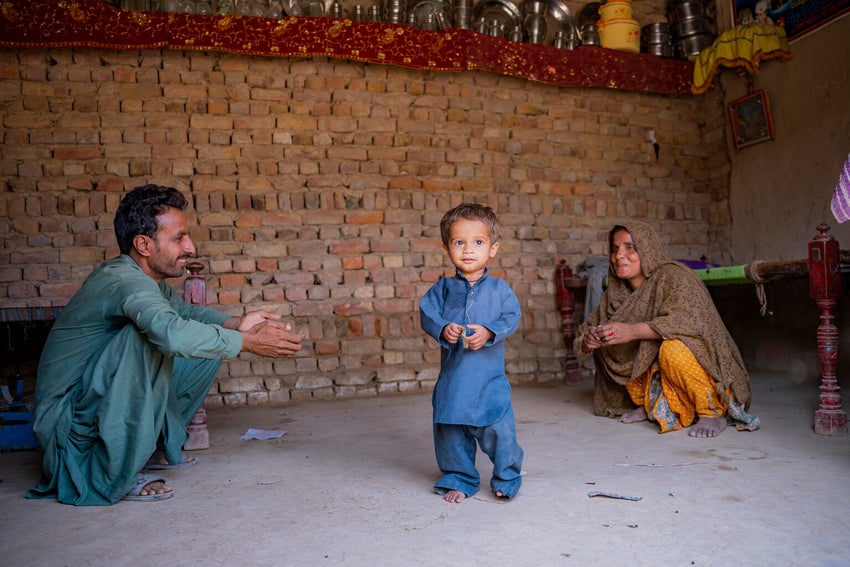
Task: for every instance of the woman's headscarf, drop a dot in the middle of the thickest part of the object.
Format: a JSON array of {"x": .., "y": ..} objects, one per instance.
[{"x": 676, "y": 304}]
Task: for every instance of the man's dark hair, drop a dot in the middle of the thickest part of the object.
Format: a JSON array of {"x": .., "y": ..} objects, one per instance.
[
  {"x": 470, "y": 211},
  {"x": 137, "y": 214}
]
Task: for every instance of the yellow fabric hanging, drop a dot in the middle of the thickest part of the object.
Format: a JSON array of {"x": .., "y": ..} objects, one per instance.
[{"x": 744, "y": 46}]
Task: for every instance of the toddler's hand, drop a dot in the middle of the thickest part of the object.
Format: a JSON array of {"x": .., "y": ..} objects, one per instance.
[
  {"x": 452, "y": 332},
  {"x": 479, "y": 337}
]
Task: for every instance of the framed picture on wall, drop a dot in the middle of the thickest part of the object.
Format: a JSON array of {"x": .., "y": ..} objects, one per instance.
[{"x": 750, "y": 119}]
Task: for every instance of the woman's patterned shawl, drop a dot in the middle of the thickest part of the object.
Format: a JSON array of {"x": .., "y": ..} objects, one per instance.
[{"x": 677, "y": 305}]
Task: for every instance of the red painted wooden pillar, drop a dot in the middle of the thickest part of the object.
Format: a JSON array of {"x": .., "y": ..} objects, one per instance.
[
  {"x": 825, "y": 288},
  {"x": 195, "y": 291},
  {"x": 566, "y": 302}
]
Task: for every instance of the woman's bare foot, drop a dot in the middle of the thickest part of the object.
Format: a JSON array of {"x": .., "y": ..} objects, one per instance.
[
  {"x": 454, "y": 496},
  {"x": 634, "y": 416},
  {"x": 155, "y": 487},
  {"x": 708, "y": 427}
]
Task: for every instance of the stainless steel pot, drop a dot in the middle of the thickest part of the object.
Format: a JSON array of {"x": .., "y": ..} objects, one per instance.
[
  {"x": 657, "y": 39},
  {"x": 678, "y": 10},
  {"x": 691, "y": 46},
  {"x": 660, "y": 49},
  {"x": 589, "y": 34},
  {"x": 658, "y": 31},
  {"x": 693, "y": 26}
]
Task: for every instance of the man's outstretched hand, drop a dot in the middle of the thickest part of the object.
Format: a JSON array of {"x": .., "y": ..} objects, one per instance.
[
  {"x": 264, "y": 335},
  {"x": 254, "y": 317}
]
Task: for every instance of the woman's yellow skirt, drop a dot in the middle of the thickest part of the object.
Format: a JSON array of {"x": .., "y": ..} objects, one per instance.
[{"x": 676, "y": 389}]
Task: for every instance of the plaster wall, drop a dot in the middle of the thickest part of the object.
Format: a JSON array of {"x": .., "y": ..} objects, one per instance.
[{"x": 780, "y": 190}]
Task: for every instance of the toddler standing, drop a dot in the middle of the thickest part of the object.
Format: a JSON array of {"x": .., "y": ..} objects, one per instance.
[{"x": 470, "y": 315}]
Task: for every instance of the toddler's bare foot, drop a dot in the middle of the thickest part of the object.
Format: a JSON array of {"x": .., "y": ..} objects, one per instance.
[
  {"x": 501, "y": 495},
  {"x": 634, "y": 416},
  {"x": 708, "y": 427},
  {"x": 454, "y": 496}
]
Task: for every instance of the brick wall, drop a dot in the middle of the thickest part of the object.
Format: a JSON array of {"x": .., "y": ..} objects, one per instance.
[{"x": 317, "y": 187}]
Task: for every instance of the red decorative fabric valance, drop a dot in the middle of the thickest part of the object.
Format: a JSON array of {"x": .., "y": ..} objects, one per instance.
[{"x": 95, "y": 24}]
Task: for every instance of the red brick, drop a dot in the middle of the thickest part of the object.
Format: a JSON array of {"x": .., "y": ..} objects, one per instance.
[
  {"x": 273, "y": 295},
  {"x": 390, "y": 245},
  {"x": 351, "y": 263},
  {"x": 295, "y": 294},
  {"x": 281, "y": 219},
  {"x": 324, "y": 348},
  {"x": 583, "y": 189},
  {"x": 59, "y": 290},
  {"x": 50, "y": 256},
  {"x": 442, "y": 184},
  {"x": 92, "y": 256},
  {"x": 229, "y": 297},
  {"x": 312, "y": 309},
  {"x": 244, "y": 265},
  {"x": 249, "y": 220},
  {"x": 77, "y": 152},
  {"x": 405, "y": 182},
  {"x": 365, "y": 217},
  {"x": 232, "y": 280},
  {"x": 350, "y": 246},
  {"x": 266, "y": 264},
  {"x": 351, "y": 309}
]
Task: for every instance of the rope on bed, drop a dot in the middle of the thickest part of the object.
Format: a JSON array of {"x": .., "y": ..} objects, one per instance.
[
  {"x": 743, "y": 273},
  {"x": 752, "y": 273}
]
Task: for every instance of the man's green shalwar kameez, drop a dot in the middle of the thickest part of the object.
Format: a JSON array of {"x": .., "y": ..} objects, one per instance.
[{"x": 126, "y": 365}]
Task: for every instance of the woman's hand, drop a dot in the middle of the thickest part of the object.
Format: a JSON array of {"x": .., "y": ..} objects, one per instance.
[
  {"x": 591, "y": 340},
  {"x": 619, "y": 333}
]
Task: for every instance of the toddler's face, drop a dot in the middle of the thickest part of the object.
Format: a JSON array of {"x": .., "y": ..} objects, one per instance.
[{"x": 470, "y": 248}]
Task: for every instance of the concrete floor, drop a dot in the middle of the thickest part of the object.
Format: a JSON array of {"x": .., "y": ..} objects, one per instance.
[{"x": 350, "y": 484}]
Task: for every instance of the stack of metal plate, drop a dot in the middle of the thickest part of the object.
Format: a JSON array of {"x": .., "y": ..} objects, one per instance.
[{"x": 693, "y": 29}]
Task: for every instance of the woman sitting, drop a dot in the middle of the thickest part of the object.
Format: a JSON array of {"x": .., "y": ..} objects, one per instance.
[{"x": 658, "y": 343}]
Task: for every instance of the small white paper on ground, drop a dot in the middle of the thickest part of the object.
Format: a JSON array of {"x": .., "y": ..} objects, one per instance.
[{"x": 262, "y": 434}]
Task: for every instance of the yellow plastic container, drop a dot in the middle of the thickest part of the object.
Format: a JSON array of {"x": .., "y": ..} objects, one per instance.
[
  {"x": 622, "y": 34},
  {"x": 615, "y": 9}
]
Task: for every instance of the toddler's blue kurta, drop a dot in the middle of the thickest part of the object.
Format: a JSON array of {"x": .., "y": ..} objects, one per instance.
[
  {"x": 472, "y": 397},
  {"x": 472, "y": 388}
]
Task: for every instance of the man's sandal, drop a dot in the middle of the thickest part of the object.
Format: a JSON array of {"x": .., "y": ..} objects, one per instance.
[
  {"x": 155, "y": 462},
  {"x": 141, "y": 482}
]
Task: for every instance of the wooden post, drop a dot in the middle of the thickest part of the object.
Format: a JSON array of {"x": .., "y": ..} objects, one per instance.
[
  {"x": 566, "y": 302},
  {"x": 195, "y": 291},
  {"x": 825, "y": 288}
]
